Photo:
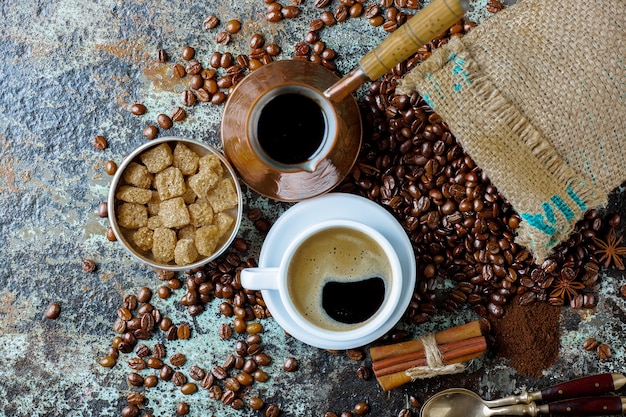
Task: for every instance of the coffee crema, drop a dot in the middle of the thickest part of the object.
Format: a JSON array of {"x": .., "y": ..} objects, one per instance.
[{"x": 338, "y": 278}]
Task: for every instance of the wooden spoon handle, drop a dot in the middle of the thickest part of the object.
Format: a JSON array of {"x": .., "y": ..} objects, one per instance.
[
  {"x": 408, "y": 38},
  {"x": 590, "y": 385},
  {"x": 418, "y": 30}
]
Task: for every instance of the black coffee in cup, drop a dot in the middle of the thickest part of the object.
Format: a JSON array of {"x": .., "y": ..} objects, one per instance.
[
  {"x": 338, "y": 278},
  {"x": 291, "y": 128}
]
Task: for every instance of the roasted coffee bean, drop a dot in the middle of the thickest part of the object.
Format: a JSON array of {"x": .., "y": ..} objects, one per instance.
[
  {"x": 272, "y": 411},
  {"x": 184, "y": 331},
  {"x": 53, "y": 311},
  {"x": 179, "y": 379},
  {"x": 210, "y": 22},
  {"x": 110, "y": 167},
  {"x": 260, "y": 375},
  {"x": 341, "y": 14},
  {"x": 193, "y": 67},
  {"x": 591, "y": 344},
  {"x": 138, "y": 109},
  {"x": 188, "y": 53},
  {"x": 171, "y": 333},
  {"x": 164, "y": 121},
  {"x": 604, "y": 351},
  {"x": 219, "y": 372},
  {"x": 178, "y": 71},
  {"x": 223, "y": 38},
  {"x": 197, "y": 373},
  {"x": 134, "y": 379},
  {"x": 189, "y": 388},
  {"x": 256, "y": 403},
  {"x": 162, "y": 55},
  {"x": 330, "y": 414},
  {"x": 182, "y": 409},
  {"x": 225, "y": 331},
  {"x": 178, "y": 359},
  {"x": 290, "y": 364},
  {"x": 166, "y": 373},
  {"x": 103, "y": 209},
  {"x": 137, "y": 364},
  {"x": 188, "y": 98},
  {"x": 262, "y": 359},
  {"x": 364, "y": 373},
  {"x": 232, "y": 384},
  {"x": 150, "y": 381},
  {"x": 165, "y": 324},
  {"x": 100, "y": 143},
  {"x": 110, "y": 234},
  {"x": 155, "y": 363},
  {"x": 150, "y": 132},
  {"x": 107, "y": 361},
  {"x": 233, "y": 26},
  {"x": 88, "y": 265},
  {"x": 361, "y": 408},
  {"x": 257, "y": 41},
  {"x": 218, "y": 98},
  {"x": 135, "y": 398},
  {"x": 289, "y": 12},
  {"x": 130, "y": 411}
]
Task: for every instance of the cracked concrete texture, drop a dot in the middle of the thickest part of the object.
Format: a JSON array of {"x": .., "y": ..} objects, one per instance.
[{"x": 70, "y": 70}]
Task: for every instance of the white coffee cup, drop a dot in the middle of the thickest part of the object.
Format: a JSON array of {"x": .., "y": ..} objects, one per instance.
[{"x": 319, "y": 294}]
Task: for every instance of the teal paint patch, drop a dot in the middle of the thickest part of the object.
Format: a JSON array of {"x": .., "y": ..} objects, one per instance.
[
  {"x": 437, "y": 88},
  {"x": 459, "y": 70},
  {"x": 537, "y": 221},
  {"x": 579, "y": 201},
  {"x": 563, "y": 207},
  {"x": 428, "y": 101}
]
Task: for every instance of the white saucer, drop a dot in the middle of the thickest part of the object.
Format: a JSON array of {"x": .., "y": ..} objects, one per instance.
[{"x": 331, "y": 207}]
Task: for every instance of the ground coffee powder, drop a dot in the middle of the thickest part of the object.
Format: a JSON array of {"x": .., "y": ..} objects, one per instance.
[{"x": 529, "y": 336}]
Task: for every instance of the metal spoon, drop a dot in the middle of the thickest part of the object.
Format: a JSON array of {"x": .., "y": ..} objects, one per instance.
[
  {"x": 457, "y": 401},
  {"x": 463, "y": 403}
]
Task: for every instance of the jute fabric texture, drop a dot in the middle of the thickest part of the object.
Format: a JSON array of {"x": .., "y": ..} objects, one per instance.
[{"x": 536, "y": 95}]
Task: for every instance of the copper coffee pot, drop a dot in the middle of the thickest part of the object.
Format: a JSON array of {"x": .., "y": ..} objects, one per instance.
[{"x": 292, "y": 129}]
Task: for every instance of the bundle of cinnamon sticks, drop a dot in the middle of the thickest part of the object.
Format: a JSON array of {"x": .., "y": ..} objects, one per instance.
[{"x": 393, "y": 364}]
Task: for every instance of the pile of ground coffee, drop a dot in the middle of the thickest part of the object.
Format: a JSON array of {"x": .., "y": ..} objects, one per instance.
[{"x": 529, "y": 336}]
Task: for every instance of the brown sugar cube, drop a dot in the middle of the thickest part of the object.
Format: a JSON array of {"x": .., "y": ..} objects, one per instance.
[
  {"x": 187, "y": 232},
  {"x": 223, "y": 222},
  {"x": 137, "y": 175},
  {"x": 154, "y": 222},
  {"x": 154, "y": 203},
  {"x": 200, "y": 213},
  {"x": 170, "y": 183},
  {"x": 185, "y": 159},
  {"x": 143, "y": 238},
  {"x": 211, "y": 163},
  {"x": 157, "y": 158},
  {"x": 163, "y": 244},
  {"x": 174, "y": 213},
  {"x": 189, "y": 195},
  {"x": 132, "y": 215},
  {"x": 206, "y": 239},
  {"x": 203, "y": 182},
  {"x": 185, "y": 252},
  {"x": 223, "y": 196},
  {"x": 132, "y": 194}
]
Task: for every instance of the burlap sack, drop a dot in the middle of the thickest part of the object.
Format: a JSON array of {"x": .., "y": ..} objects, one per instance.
[{"x": 536, "y": 95}]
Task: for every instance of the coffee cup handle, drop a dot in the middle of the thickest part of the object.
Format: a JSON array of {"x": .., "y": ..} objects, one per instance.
[{"x": 260, "y": 278}]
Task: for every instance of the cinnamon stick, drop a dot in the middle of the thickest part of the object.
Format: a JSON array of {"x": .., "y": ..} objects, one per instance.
[
  {"x": 453, "y": 334},
  {"x": 449, "y": 352},
  {"x": 391, "y": 381}
]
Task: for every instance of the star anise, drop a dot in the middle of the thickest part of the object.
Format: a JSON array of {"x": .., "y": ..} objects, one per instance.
[
  {"x": 610, "y": 250},
  {"x": 565, "y": 286}
]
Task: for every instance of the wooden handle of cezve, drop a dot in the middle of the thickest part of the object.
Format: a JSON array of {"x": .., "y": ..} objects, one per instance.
[{"x": 418, "y": 30}]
